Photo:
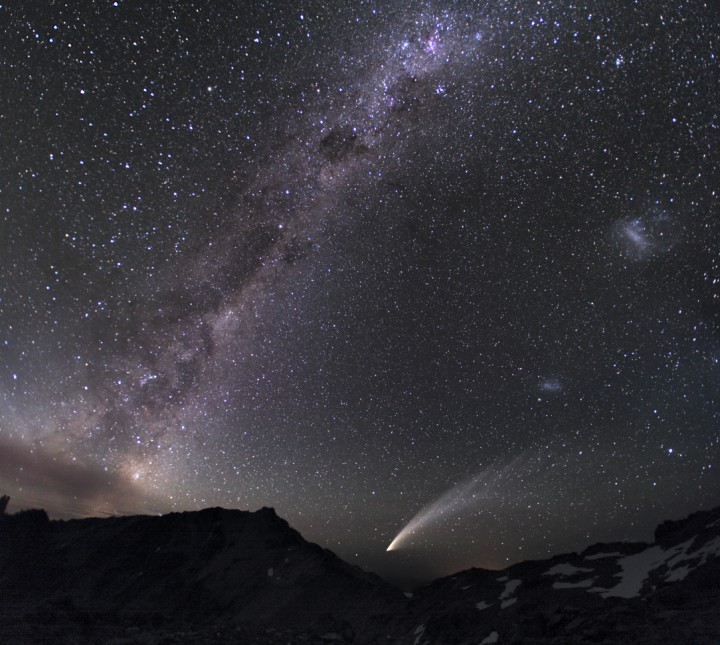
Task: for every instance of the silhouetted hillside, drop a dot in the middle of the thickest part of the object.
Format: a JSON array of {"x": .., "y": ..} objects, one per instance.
[
  {"x": 226, "y": 576},
  {"x": 665, "y": 592},
  {"x": 216, "y": 567}
]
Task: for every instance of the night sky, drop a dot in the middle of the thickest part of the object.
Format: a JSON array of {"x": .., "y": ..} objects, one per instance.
[{"x": 354, "y": 260}]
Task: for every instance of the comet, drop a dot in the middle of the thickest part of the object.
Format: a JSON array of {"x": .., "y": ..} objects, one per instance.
[{"x": 482, "y": 491}]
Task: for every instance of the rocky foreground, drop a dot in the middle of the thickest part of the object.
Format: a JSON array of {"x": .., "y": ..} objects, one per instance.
[{"x": 223, "y": 576}]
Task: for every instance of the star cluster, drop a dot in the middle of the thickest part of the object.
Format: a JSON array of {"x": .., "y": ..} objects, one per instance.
[{"x": 357, "y": 259}]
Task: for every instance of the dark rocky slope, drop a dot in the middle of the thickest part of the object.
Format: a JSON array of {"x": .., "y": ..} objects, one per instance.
[
  {"x": 220, "y": 576},
  {"x": 665, "y": 592},
  {"x": 216, "y": 568}
]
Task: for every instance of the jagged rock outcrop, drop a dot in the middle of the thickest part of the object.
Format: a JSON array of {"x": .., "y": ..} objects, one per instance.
[{"x": 666, "y": 592}]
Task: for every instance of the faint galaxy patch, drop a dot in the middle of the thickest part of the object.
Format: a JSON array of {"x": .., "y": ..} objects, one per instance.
[
  {"x": 551, "y": 386},
  {"x": 644, "y": 237}
]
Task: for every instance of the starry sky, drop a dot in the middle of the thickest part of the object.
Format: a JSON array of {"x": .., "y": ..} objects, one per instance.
[{"x": 364, "y": 262}]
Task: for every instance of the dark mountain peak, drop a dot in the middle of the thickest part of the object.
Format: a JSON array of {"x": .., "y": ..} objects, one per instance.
[{"x": 264, "y": 517}]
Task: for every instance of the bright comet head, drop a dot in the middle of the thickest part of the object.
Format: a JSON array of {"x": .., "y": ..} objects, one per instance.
[{"x": 393, "y": 544}]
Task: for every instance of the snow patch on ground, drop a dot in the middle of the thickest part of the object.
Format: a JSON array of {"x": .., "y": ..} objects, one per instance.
[
  {"x": 483, "y": 605},
  {"x": 419, "y": 631},
  {"x": 510, "y": 587},
  {"x": 564, "y": 569},
  {"x": 678, "y": 574},
  {"x": 635, "y": 570},
  {"x": 599, "y": 556},
  {"x": 711, "y": 548},
  {"x": 490, "y": 639},
  {"x": 270, "y": 572}
]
